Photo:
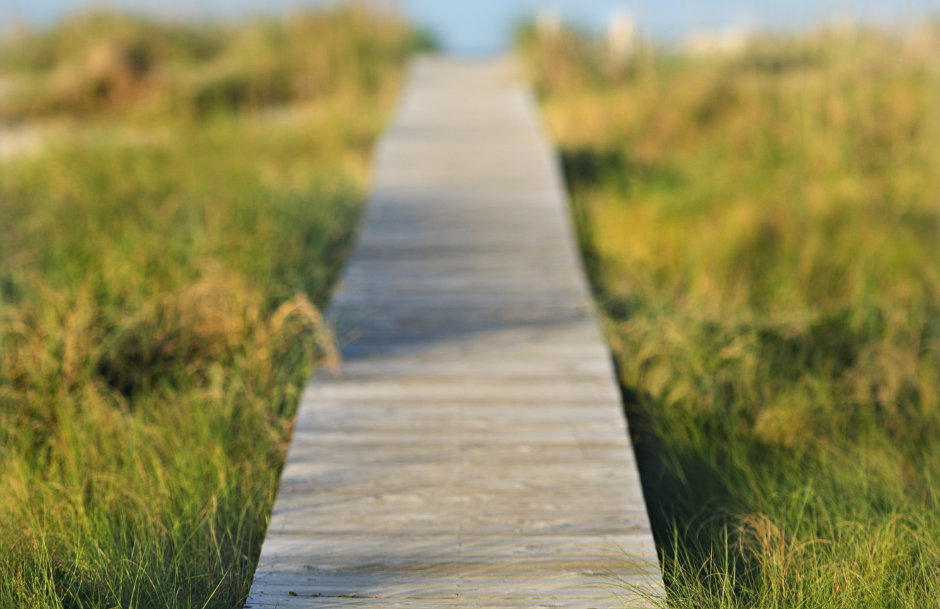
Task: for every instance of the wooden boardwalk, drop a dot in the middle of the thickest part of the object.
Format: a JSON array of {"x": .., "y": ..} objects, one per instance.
[{"x": 472, "y": 451}]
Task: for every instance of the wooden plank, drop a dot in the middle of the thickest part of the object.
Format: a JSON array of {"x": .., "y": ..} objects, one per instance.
[
  {"x": 627, "y": 598},
  {"x": 472, "y": 450}
]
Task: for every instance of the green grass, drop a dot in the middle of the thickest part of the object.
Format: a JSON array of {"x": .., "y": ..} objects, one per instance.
[
  {"x": 763, "y": 234},
  {"x": 161, "y": 274}
]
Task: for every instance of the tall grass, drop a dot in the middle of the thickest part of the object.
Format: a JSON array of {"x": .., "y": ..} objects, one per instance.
[
  {"x": 762, "y": 230},
  {"x": 159, "y": 299},
  {"x": 106, "y": 63}
]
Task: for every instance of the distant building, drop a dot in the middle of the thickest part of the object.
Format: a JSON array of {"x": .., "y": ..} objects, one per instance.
[
  {"x": 548, "y": 23},
  {"x": 621, "y": 36},
  {"x": 728, "y": 42}
]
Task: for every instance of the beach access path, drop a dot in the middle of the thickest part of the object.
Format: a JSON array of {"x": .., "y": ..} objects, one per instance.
[{"x": 472, "y": 449}]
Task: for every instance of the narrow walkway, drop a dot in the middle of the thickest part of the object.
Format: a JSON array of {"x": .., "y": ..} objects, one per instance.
[{"x": 472, "y": 451}]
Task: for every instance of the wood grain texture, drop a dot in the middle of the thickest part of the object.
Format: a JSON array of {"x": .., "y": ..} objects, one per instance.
[{"x": 472, "y": 450}]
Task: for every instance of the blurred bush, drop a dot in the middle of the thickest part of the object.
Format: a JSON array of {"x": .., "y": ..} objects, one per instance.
[{"x": 108, "y": 62}]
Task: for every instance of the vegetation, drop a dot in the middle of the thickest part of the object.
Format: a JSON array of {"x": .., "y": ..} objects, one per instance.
[
  {"x": 105, "y": 63},
  {"x": 762, "y": 229},
  {"x": 161, "y": 268}
]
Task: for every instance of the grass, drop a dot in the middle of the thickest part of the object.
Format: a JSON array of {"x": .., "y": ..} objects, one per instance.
[
  {"x": 162, "y": 267},
  {"x": 762, "y": 230},
  {"x": 106, "y": 64}
]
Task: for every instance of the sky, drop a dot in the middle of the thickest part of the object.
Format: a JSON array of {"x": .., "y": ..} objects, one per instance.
[{"x": 484, "y": 26}]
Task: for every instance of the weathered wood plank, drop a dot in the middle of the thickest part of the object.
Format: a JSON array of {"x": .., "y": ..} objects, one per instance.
[{"x": 472, "y": 450}]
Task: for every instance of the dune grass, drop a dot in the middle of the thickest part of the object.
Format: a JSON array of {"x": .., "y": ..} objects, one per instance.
[
  {"x": 762, "y": 229},
  {"x": 161, "y": 274},
  {"x": 107, "y": 64}
]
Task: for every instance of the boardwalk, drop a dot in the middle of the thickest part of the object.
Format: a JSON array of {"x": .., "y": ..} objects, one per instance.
[{"x": 472, "y": 451}]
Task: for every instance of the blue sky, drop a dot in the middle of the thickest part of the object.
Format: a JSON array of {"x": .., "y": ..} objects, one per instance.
[{"x": 484, "y": 25}]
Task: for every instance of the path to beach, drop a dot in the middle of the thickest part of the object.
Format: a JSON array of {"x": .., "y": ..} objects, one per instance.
[{"x": 472, "y": 450}]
